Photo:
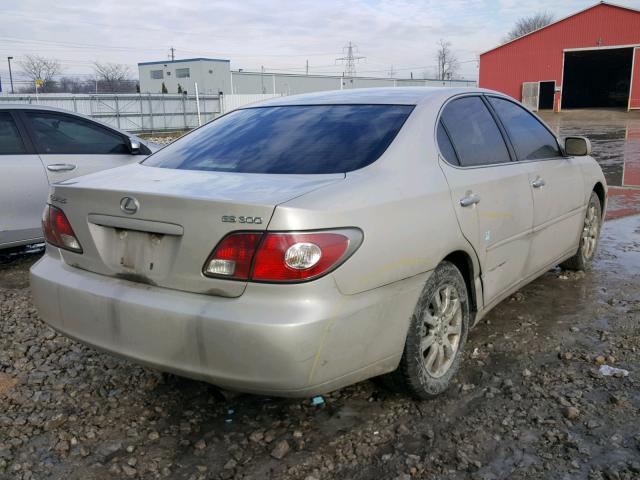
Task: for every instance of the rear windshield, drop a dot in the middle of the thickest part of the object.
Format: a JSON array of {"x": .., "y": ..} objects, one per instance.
[{"x": 289, "y": 139}]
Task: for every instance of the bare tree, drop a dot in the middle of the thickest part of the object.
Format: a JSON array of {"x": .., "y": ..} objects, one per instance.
[
  {"x": 529, "y": 24},
  {"x": 447, "y": 62},
  {"x": 36, "y": 67},
  {"x": 113, "y": 77}
]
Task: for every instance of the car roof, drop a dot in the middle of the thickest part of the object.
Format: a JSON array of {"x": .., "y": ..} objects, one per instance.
[{"x": 384, "y": 96}]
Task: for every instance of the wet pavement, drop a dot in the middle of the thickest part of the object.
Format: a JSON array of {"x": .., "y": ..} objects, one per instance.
[{"x": 615, "y": 139}]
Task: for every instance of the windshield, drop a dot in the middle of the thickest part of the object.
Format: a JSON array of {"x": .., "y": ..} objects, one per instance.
[{"x": 289, "y": 139}]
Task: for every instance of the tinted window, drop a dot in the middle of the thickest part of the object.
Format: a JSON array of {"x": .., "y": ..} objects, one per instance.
[
  {"x": 446, "y": 149},
  {"x": 291, "y": 139},
  {"x": 64, "y": 134},
  {"x": 530, "y": 138},
  {"x": 10, "y": 139},
  {"x": 474, "y": 133}
]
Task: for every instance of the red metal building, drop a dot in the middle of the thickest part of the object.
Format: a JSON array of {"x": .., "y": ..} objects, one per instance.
[{"x": 587, "y": 60}]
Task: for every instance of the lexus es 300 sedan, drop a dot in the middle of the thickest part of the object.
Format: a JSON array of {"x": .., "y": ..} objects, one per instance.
[
  {"x": 43, "y": 145},
  {"x": 314, "y": 241}
]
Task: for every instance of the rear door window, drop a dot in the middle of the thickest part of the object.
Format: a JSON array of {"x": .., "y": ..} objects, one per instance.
[
  {"x": 474, "y": 133},
  {"x": 56, "y": 133},
  {"x": 300, "y": 139},
  {"x": 530, "y": 139},
  {"x": 10, "y": 139}
]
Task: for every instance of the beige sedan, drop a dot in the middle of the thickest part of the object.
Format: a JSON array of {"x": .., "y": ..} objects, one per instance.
[{"x": 310, "y": 242}]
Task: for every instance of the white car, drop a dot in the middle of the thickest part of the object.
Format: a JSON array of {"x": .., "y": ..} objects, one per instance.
[
  {"x": 40, "y": 146},
  {"x": 309, "y": 242}
]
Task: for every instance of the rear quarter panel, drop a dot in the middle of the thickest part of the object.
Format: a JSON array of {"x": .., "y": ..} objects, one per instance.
[{"x": 401, "y": 203}]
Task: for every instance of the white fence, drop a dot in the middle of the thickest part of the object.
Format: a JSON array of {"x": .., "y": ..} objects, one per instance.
[{"x": 142, "y": 112}]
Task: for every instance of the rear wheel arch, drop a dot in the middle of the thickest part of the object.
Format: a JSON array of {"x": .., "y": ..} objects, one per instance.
[{"x": 464, "y": 263}]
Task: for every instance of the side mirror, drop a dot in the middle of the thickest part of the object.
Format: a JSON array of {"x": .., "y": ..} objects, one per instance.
[
  {"x": 134, "y": 146},
  {"x": 577, "y": 146}
]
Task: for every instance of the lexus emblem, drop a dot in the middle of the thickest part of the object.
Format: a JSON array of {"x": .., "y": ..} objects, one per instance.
[{"x": 129, "y": 205}]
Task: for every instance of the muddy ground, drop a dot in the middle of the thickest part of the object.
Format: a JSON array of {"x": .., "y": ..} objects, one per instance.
[{"x": 529, "y": 402}]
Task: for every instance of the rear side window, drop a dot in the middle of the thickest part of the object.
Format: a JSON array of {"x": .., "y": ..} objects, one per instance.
[
  {"x": 446, "y": 149},
  {"x": 10, "y": 140},
  {"x": 55, "y": 133},
  {"x": 531, "y": 140},
  {"x": 289, "y": 139},
  {"x": 474, "y": 133}
]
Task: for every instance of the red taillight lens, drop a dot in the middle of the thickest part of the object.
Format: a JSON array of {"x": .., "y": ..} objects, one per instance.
[
  {"x": 58, "y": 231},
  {"x": 232, "y": 257},
  {"x": 297, "y": 256},
  {"x": 281, "y": 257}
]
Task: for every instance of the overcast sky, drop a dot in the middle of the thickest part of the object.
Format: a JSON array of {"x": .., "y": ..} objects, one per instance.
[{"x": 279, "y": 34}]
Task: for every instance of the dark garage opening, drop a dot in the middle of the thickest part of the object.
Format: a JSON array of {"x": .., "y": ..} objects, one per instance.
[
  {"x": 597, "y": 78},
  {"x": 545, "y": 101}
]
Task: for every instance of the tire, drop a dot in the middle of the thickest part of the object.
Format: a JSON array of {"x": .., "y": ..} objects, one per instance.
[
  {"x": 428, "y": 365},
  {"x": 588, "y": 238}
]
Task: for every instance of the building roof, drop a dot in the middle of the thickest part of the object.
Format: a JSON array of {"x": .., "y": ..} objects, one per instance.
[
  {"x": 199, "y": 59},
  {"x": 380, "y": 96},
  {"x": 608, "y": 4}
]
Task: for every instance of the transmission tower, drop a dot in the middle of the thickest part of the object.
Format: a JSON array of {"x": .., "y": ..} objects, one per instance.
[{"x": 350, "y": 59}]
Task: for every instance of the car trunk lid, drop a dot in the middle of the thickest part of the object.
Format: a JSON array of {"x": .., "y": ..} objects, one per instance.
[{"x": 157, "y": 226}]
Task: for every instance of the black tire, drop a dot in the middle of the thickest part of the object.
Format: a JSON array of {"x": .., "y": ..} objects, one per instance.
[
  {"x": 590, "y": 233},
  {"x": 413, "y": 374}
]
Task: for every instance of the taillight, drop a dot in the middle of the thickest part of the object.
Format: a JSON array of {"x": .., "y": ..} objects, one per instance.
[
  {"x": 281, "y": 257},
  {"x": 232, "y": 257},
  {"x": 58, "y": 231}
]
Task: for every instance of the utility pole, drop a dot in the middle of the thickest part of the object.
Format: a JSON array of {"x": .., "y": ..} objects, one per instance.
[
  {"x": 350, "y": 59},
  {"x": 307, "y": 69},
  {"x": 262, "y": 79},
  {"x": 172, "y": 53},
  {"x": 391, "y": 72},
  {"x": 10, "y": 76}
]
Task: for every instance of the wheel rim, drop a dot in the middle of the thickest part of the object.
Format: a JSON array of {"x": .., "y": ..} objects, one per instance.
[
  {"x": 442, "y": 329},
  {"x": 590, "y": 232}
]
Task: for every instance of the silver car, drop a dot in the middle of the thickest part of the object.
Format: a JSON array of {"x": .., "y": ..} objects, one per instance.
[
  {"x": 40, "y": 146},
  {"x": 314, "y": 241}
]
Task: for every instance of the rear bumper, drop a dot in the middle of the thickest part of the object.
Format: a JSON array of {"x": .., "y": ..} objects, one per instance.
[{"x": 288, "y": 340}]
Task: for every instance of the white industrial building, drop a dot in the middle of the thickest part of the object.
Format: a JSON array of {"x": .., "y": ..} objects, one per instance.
[{"x": 215, "y": 76}]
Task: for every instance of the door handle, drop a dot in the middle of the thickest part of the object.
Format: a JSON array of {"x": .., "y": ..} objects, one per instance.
[
  {"x": 538, "y": 183},
  {"x": 61, "y": 167},
  {"x": 469, "y": 199}
]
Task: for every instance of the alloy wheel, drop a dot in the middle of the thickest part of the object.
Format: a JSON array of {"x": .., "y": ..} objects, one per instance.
[
  {"x": 590, "y": 232},
  {"x": 442, "y": 330}
]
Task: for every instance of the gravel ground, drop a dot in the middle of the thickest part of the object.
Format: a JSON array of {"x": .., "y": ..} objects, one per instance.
[{"x": 529, "y": 402}]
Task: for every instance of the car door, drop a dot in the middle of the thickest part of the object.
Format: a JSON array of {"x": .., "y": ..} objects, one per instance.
[
  {"x": 555, "y": 181},
  {"x": 71, "y": 146},
  {"x": 23, "y": 185},
  {"x": 490, "y": 192}
]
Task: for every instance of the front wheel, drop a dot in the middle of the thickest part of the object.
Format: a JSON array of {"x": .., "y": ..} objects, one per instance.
[
  {"x": 437, "y": 335},
  {"x": 588, "y": 237}
]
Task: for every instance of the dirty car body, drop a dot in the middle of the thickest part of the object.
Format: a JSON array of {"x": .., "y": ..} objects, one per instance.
[{"x": 282, "y": 249}]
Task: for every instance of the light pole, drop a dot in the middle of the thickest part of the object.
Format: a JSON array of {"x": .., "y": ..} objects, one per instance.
[{"x": 10, "y": 76}]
